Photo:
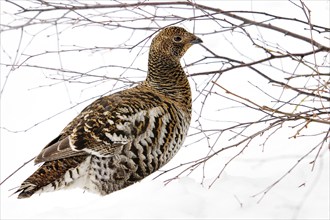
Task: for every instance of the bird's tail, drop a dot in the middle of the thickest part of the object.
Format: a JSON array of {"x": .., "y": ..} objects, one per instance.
[{"x": 54, "y": 174}]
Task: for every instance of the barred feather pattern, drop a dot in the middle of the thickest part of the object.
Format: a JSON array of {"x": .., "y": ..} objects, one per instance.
[{"x": 121, "y": 138}]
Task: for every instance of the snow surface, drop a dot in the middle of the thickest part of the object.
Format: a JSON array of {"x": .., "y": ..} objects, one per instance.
[
  {"x": 228, "y": 199},
  {"x": 231, "y": 197},
  {"x": 302, "y": 194}
]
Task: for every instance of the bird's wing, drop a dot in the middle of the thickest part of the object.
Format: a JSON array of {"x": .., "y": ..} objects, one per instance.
[
  {"x": 57, "y": 149},
  {"x": 105, "y": 126}
]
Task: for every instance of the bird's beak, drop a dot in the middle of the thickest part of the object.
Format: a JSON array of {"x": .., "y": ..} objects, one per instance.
[{"x": 197, "y": 40}]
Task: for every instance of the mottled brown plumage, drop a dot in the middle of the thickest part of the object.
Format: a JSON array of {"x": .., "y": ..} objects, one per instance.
[{"x": 122, "y": 138}]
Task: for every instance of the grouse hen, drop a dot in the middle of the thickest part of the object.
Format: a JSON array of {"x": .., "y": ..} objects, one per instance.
[{"x": 121, "y": 138}]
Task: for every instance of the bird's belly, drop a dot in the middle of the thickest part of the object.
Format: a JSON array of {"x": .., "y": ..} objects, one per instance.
[{"x": 137, "y": 160}]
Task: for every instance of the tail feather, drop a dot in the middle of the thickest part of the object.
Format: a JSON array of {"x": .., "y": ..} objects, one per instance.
[{"x": 48, "y": 174}]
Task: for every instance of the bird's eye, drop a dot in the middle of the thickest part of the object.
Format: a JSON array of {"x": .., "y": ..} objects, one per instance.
[{"x": 177, "y": 39}]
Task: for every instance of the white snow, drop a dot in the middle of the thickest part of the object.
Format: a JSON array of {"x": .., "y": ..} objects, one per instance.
[
  {"x": 229, "y": 198},
  {"x": 29, "y": 99}
]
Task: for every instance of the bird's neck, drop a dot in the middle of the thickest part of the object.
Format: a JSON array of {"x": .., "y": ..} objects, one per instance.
[{"x": 167, "y": 76}]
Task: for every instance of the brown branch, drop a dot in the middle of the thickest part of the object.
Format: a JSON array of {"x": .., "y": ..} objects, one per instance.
[
  {"x": 16, "y": 171},
  {"x": 243, "y": 64},
  {"x": 187, "y": 3},
  {"x": 308, "y": 118},
  {"x": 268, "y": 188}
]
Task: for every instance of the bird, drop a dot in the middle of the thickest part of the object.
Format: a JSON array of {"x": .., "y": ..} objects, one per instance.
[{"x": 121, "y": 138}]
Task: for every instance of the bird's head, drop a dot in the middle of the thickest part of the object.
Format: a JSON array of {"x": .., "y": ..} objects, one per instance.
[{"x": 174, "y": 42}]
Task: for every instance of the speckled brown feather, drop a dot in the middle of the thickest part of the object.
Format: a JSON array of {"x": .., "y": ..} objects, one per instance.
[
  {"x": 121, "y": 138},
  {"x": 48, "y": 173}
]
